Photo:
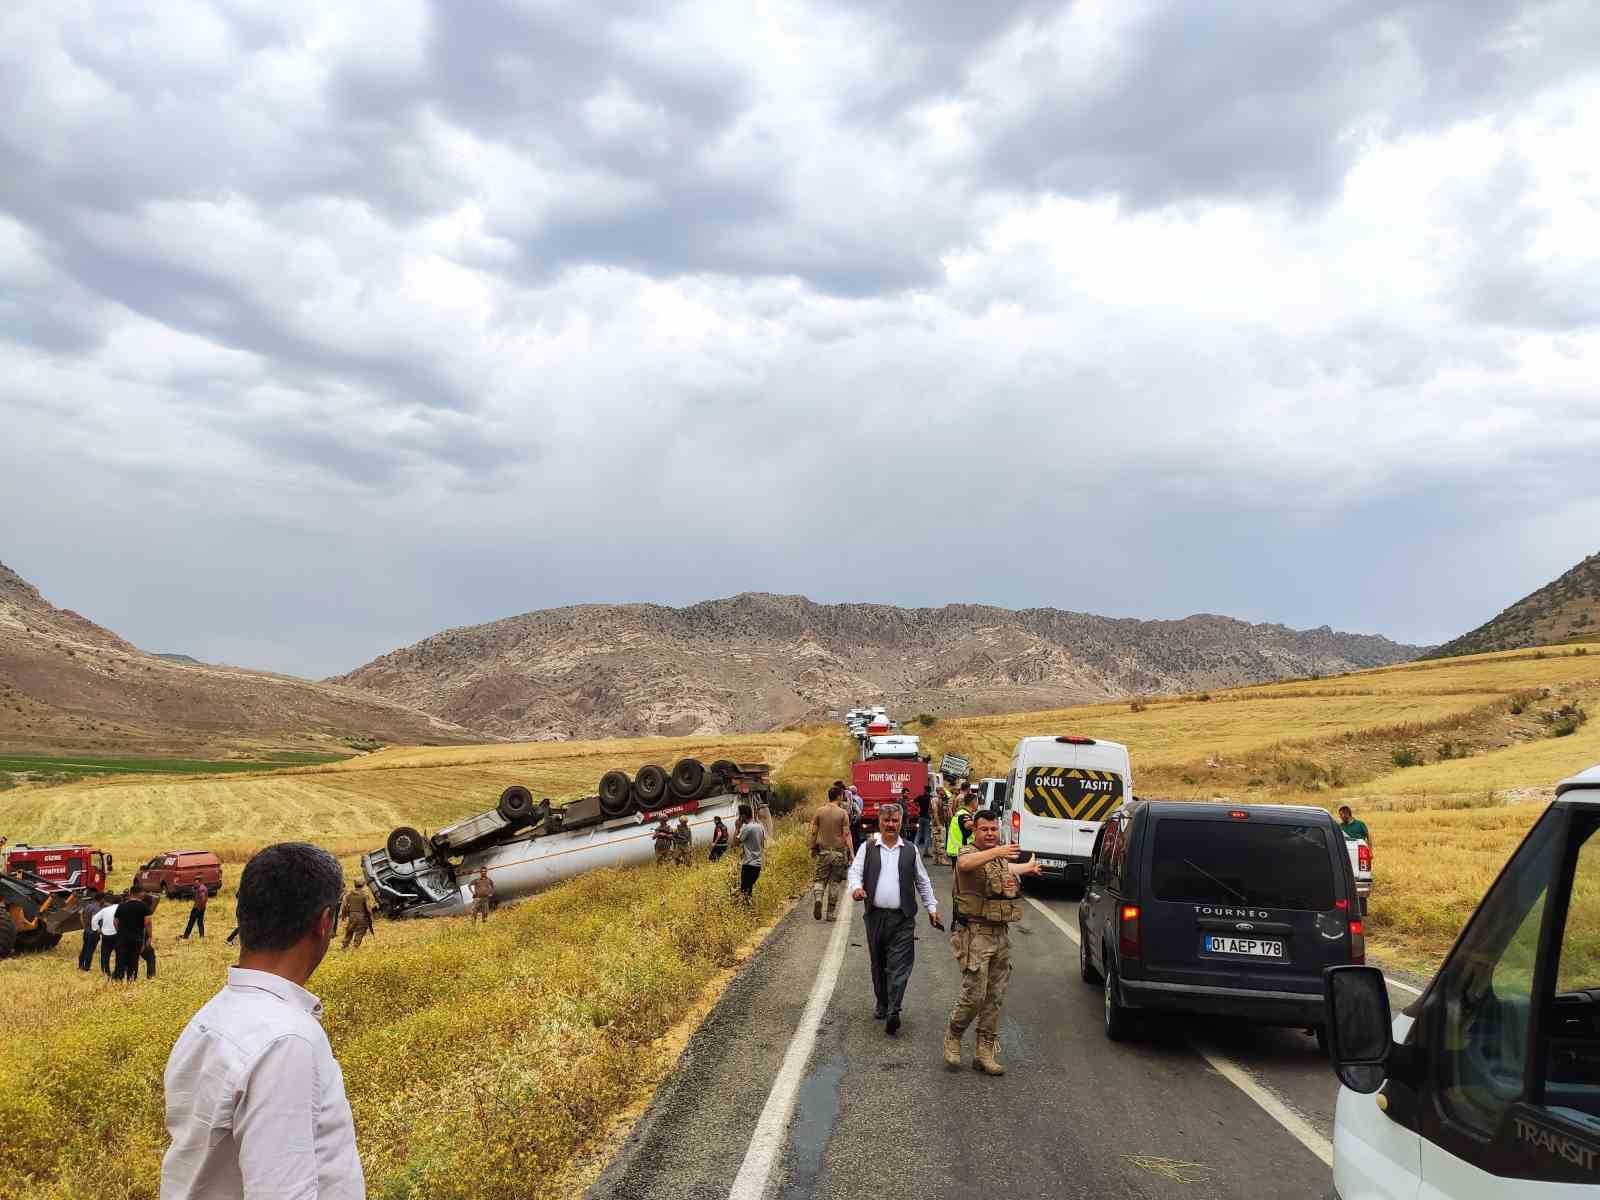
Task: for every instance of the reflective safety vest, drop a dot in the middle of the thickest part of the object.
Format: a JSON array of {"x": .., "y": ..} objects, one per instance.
[
  {"x": 990, "y": 902},
  {"x": 953, "y": 838}
]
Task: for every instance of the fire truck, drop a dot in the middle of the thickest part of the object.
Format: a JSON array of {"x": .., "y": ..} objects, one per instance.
[
  {"x": 892, "y": 765},
  {"x": 75, "y": 866}
]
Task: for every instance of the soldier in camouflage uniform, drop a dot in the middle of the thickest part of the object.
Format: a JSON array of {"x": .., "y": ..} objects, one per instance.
[
  {"x": 682, "y": 841},
  {"x": 833, "y": 849},
  {"x": 985, "y": 907},
  {"x": 482, "y": 896},
  {"x": 356, "y": 913},
  {"x": 662, "y": 839}
]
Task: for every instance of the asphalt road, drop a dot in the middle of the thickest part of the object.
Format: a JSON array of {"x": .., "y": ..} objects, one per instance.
[{"x": 1075, "y": 1115}]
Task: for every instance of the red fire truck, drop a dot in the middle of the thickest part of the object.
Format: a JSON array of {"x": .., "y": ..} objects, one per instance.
[
  {"x": 880, "y": 780},
  {"x": 74, "y": 866}
]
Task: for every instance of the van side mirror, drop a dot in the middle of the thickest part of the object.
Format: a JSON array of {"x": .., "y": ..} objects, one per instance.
[{"x": 1360, "y": 1028}]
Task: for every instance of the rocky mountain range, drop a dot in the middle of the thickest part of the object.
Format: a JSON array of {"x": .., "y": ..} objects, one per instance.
[
  {"x": 755, "y": 661},
  {"x": 1565, "y": 608},
  {"x": 69, "y": 684}
]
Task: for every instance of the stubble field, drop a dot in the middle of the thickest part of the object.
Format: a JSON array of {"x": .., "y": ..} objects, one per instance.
[{"x": 493, "y": 1062}]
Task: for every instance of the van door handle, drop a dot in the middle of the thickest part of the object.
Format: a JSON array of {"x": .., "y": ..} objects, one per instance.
[{"x": 1088, "y": 828}]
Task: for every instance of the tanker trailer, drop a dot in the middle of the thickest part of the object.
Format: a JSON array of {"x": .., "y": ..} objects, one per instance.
[{"x": 528, "y": 847}]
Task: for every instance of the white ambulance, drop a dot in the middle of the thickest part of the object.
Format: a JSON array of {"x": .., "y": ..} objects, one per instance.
[{"x": 1057, "y": 792}]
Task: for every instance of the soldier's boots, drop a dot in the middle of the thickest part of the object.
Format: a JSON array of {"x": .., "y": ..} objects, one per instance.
[
  {"x": 984, "y": 1059},
  {"x": 952, "y": 1046}
]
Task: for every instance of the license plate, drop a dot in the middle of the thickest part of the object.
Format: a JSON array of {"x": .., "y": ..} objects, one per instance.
[
  {"x": 1045, "y": 861},
  {"x": 1254, "y": 947}
]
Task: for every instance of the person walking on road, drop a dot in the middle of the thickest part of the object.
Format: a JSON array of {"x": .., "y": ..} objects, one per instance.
[
  {"x": 482, "y": 896},
  {"x": 719, "y": 839},
  {"x": 1354, "y": 830},
  {"x": 134, "y": 936},
  {"x": 985, "y": 902},
  {"x": 887, "y": 875},
  {"x": 832, "y": 848},
  {"x": 255, "y": 1099},
  {"x": 682, "y": 842},
  {"x": 197, "y": 912},
  {"x": 855, "y": 806},
  {"x": 925, "y": 821},
  {"x": 752, "y": 852},
  {"x": 356, "y": 913}
]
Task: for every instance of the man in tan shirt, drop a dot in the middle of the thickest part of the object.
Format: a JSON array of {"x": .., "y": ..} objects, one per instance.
[{"x": 832, "y": 846}]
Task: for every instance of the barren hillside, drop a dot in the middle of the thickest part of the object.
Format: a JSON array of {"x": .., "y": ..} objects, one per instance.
[
  {"x": 1566, "y": 608},
  {"x": 755, "y": 661},
  {"x": 66, "y": 683}
]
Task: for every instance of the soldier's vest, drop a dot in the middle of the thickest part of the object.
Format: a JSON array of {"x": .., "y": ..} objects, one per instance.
[{"x": 989, "y": 902}]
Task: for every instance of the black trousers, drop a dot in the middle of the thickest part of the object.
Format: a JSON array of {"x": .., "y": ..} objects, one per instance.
[
  {"x": 747, "y": 880},
  {"x": 86, "y": 955},
  {"x": 197, "y": 920},
  {"x": 128, "y": 956},
  {"x": 107, "y": 946},
  {"x": 891, "y": 949}
]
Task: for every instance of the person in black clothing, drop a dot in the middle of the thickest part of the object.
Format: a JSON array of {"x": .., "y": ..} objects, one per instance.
[
  {"x": 89, "y": 907},
  {"x": 133, "y": 936},
  {"x": 719, "y": 840}
]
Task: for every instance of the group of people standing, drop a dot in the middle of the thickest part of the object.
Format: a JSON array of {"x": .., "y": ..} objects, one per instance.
[
  {"x": 886, "y": 874},
  {"x": 752, "y": 829},
  {"x": 122, "y": 927}
]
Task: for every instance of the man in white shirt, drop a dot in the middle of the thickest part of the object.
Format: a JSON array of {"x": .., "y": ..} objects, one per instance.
[
  {"x": 888, "y": 876},
  {"x": 105, "y": 928},
  {"x": 255, "y": 1100}
]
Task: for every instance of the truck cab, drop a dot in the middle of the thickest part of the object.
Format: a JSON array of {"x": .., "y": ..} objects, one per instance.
[{"x": 1489, "y": 1084}]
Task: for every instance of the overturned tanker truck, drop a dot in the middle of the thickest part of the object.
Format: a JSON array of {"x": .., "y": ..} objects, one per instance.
[{"x": 528, "y": 846}]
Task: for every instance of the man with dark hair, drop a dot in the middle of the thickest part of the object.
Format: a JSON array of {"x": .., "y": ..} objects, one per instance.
[
  {"x": 719, "y": 839},
  {"x": 90, "y": 909},
  {"x": 255, "y": 1099},
  {"x": 985, "y": 903},
  {"x": 197, "y": 912},
  {"x": 482, "y": 896},
  {"x": 888, "y": 876},
  {"x": 134, "y": 938},
  {"x": 752, "y": 838}
]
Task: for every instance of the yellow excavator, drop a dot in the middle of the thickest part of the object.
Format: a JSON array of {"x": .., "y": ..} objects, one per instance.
[{"x": 35, "y": 913}]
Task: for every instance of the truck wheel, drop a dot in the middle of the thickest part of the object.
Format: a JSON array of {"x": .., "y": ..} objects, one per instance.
[
  {"x": 688, "y": 777},
  {"x": 1119, "y": 1021},
  {"x": 404, "y": 845},
  {"x": 516, "y": 804},
  {"x": 8, "y": 934},
  {"x": 650, "y": 786},
  {"x": 616, "y": 793}
]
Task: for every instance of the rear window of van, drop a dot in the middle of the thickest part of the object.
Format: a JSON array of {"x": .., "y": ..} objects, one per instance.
[{"x": 1242, "y": 862}]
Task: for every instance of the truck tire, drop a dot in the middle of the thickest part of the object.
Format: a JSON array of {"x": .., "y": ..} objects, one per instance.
[
  {"x": 8, "y": 934},
  {"x": 37, "y": 938},
  {"x": 516, "y": 804},
  {"x": 650, "y": 786},
  {"x": 688, "y": 778},
  {"x": 616, "y": 794},
  {"x": 404, "y": 845},
  {"x": 1119, "y": 1021}
]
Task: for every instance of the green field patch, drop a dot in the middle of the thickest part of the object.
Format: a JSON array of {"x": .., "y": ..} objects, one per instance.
[{"x": 79, "y": 765}]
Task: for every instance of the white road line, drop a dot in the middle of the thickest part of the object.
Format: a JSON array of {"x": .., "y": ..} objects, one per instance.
[
  {"x": 1299, "y": 1128},
  {"x": 766, "y": 1143},
  {"x": 1404, "y": 987}
]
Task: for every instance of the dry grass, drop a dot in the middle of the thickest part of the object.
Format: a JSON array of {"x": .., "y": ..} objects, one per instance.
[{"x": 479, "y": 1062}]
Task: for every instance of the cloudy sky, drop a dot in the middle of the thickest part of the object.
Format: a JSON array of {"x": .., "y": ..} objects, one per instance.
[{"x": 325, "y": 326}]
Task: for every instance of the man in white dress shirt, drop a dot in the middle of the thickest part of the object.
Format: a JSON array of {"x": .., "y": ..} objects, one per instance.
[
  {"x": 888, "y": 876},
  {"x": 255, "y": 1101}
]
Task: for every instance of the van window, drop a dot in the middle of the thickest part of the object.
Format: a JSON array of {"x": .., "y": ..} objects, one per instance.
[
  {"x": 1242, "y": 862},
  {"x": 1487, "y": 991},
  {"x": 1572, "y": 1035}
]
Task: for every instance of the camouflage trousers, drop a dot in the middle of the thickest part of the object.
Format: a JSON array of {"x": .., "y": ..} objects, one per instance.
[
  {"x": 480, "y": 908},
  {"x": 828, "y": 882},
  {"x": 680, "y": 853},
  {"x": 984, "y": 952},
  {"x": 355, "y": 930}
]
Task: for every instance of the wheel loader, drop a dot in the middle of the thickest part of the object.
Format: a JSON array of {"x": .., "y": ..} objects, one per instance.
[{"x": 35, "y": 913}]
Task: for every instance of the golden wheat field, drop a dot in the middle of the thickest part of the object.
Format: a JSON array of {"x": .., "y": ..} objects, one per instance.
[{"x": 567, "y": 1009}]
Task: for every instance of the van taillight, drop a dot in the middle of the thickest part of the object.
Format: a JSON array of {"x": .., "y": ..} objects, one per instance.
[
  {"x": 1128, "y": 931},
  {"x": 1016, "y": 825},
  {"x": 1364, "y": 857},
  {"x": 1358, "y": 943},
  {"x": 1072, "y": 739}
]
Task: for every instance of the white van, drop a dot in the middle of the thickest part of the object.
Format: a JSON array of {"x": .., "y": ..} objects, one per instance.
[{"x": 1058, "y": 791}]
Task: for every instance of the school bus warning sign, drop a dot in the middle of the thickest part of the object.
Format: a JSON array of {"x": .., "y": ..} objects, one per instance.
[{"x": 1071, "y": 793}]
